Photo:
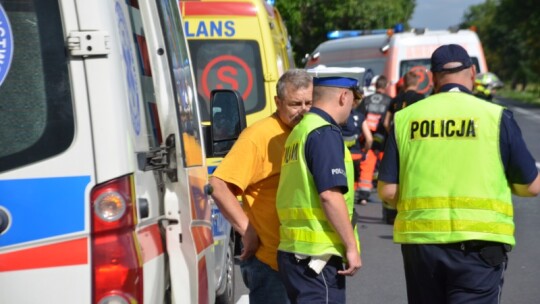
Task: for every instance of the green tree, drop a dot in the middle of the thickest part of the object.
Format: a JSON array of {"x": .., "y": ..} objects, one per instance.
[
  {"x": 507, "y": 29},
  {"x": 308, "y": 21}
]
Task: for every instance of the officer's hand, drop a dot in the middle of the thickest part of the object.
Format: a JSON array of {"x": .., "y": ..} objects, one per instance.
[
  {"x": 250, "y": 242},
  {"x": 354, "y": 262}
]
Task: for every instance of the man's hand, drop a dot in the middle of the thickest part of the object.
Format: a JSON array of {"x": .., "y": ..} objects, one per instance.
[
  {"x": 250, "y": 242},
  {"x": 354, "y": 262},
  {"x": 335, "y": 209}
]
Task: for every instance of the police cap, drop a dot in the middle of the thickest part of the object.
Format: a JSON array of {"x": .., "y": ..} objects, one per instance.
[
  {"x": 338, "y": 77},
  {"x": 450, "y": 58}
]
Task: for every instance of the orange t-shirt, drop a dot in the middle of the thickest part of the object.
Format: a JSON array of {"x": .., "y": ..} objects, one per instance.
[{"x": 253, "y": 165}]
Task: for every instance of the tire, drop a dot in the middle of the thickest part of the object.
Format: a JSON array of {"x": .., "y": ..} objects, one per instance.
[{"x": 227, "y": 297}]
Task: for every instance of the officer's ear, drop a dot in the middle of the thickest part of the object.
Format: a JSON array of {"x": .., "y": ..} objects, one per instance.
[
  {"x": 436, "y": 82},
  {"x": 343, "y": 96}
]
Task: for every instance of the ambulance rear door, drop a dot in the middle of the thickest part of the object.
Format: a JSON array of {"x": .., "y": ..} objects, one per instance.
[{"x": 187, "y": 210}]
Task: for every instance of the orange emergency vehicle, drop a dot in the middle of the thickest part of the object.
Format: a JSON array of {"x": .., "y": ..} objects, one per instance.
[{"x": 392, "y": 52}]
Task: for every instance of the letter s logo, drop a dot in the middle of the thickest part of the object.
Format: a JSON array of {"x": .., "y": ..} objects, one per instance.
[{"x": 226, "y": 74}]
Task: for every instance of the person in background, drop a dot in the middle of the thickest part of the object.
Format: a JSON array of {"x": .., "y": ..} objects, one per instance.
[
  {"x": 319, "y": 243},
  {"x": 251, "y": 169},
  {"x": 452, "y": 183},
  {"x": 356, "y": 128},
  {"x": 407, "y": 97},
  {"x": 374, "y": 107}
]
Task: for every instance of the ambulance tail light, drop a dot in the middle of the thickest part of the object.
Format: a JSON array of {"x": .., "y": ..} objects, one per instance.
[{"x": 117, "y": 276}]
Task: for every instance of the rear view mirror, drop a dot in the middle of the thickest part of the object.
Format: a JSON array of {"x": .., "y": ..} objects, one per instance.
[{"x": 228, "y": 119}]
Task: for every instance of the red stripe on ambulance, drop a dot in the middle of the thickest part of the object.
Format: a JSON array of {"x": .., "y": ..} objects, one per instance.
[
  {"x": 68, "y": 253},
  {"x": 218, "y": 9},
  {"x": 150, "y": 241}
]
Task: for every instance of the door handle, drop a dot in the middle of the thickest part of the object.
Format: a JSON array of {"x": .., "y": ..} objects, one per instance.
[{"x": 144, "y": 208}]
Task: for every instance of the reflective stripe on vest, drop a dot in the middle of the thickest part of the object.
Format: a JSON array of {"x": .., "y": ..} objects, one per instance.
[
  {"x": 452, "y": 183},
  {"x": 304, "y": 227}
]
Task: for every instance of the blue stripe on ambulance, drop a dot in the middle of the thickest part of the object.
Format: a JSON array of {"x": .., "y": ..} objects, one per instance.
[{"x": 43, "y": 207}]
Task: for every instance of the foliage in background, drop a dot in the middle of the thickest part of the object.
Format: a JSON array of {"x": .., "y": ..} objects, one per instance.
[
  {"x": 529, "y": 95},
  {"x": 508, "y": 30},
  {"x": 308, "y": 21}
]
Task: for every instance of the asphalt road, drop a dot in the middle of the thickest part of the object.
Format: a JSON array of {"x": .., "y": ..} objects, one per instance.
[{"x": 381, "y": 279}]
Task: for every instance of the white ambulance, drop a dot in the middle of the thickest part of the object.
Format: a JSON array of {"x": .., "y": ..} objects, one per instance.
[
  {"x": 393, "y": 52},
  {"x": 104, "y": 194}
]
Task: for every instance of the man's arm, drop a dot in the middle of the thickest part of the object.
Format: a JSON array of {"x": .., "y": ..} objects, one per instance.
[
  {"x": 228, "y": 205},
  {"x": 367, "y": 135},
  {"x": 532, "y": 189},
  {"x": 388, "y": 193},
  {"x": 335, "y": 208},
  {"x": 387, "y": 120}
]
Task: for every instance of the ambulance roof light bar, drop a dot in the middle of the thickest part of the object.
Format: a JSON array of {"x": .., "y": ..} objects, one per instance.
[{"x": 398, "y": 28}]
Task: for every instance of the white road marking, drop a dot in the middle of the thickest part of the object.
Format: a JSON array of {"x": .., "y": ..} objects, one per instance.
[{"x": 524, "y": 112}]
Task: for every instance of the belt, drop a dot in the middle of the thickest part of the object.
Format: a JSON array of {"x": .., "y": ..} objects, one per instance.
[{"x": 476, "y": 245}]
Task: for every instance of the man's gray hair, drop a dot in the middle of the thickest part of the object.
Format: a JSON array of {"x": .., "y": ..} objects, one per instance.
[{"x": 295, "y": 78}]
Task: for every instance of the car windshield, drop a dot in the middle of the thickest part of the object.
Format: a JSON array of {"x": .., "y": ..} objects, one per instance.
[{"x": 226, "y": 64}]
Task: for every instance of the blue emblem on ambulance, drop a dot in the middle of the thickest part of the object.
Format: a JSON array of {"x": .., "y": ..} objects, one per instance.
[
  {"x": 6, "y": 45},
  {"x": 131, "y": 70}
]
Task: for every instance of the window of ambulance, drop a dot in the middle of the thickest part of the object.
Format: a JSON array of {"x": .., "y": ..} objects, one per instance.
[
  {"x": 36, "y": 111},
  {"x": 186, "y": 102},
  {"x": 226, "y": 64}
]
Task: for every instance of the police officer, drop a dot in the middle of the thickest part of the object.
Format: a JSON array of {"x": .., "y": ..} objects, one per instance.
[
  {"x": 405, "y": 98},
  {"x": 318, "y": 244},
  {"x": 459, "y": 161}
]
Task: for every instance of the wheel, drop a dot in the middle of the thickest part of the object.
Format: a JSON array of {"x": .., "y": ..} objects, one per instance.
[{"x": 227, "y": 297}]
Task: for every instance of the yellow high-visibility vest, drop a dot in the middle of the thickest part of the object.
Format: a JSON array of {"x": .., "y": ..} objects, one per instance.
[
  {"x": 452, "y": 185},
  {"x": 304, "y": 227}
]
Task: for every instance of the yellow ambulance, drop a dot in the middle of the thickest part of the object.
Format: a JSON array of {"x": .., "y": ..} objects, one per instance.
[{"x": 238, "y": 44}]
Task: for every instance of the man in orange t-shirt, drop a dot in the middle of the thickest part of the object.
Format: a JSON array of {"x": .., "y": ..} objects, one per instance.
[{"x": 251, "y": 169}]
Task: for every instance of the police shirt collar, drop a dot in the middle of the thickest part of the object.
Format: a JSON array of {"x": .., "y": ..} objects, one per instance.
[
  {"x": 323, "y": 114},
  {"x": 454, "y": 87}
]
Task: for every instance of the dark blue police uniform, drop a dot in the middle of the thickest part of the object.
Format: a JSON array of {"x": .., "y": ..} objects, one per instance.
[{"x": 325, "y": 145}]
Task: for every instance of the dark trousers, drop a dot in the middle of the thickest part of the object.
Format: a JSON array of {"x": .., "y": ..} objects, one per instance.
[
  {"x": 454, "y": 273},
  {"x": 304, "y": 286}
]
